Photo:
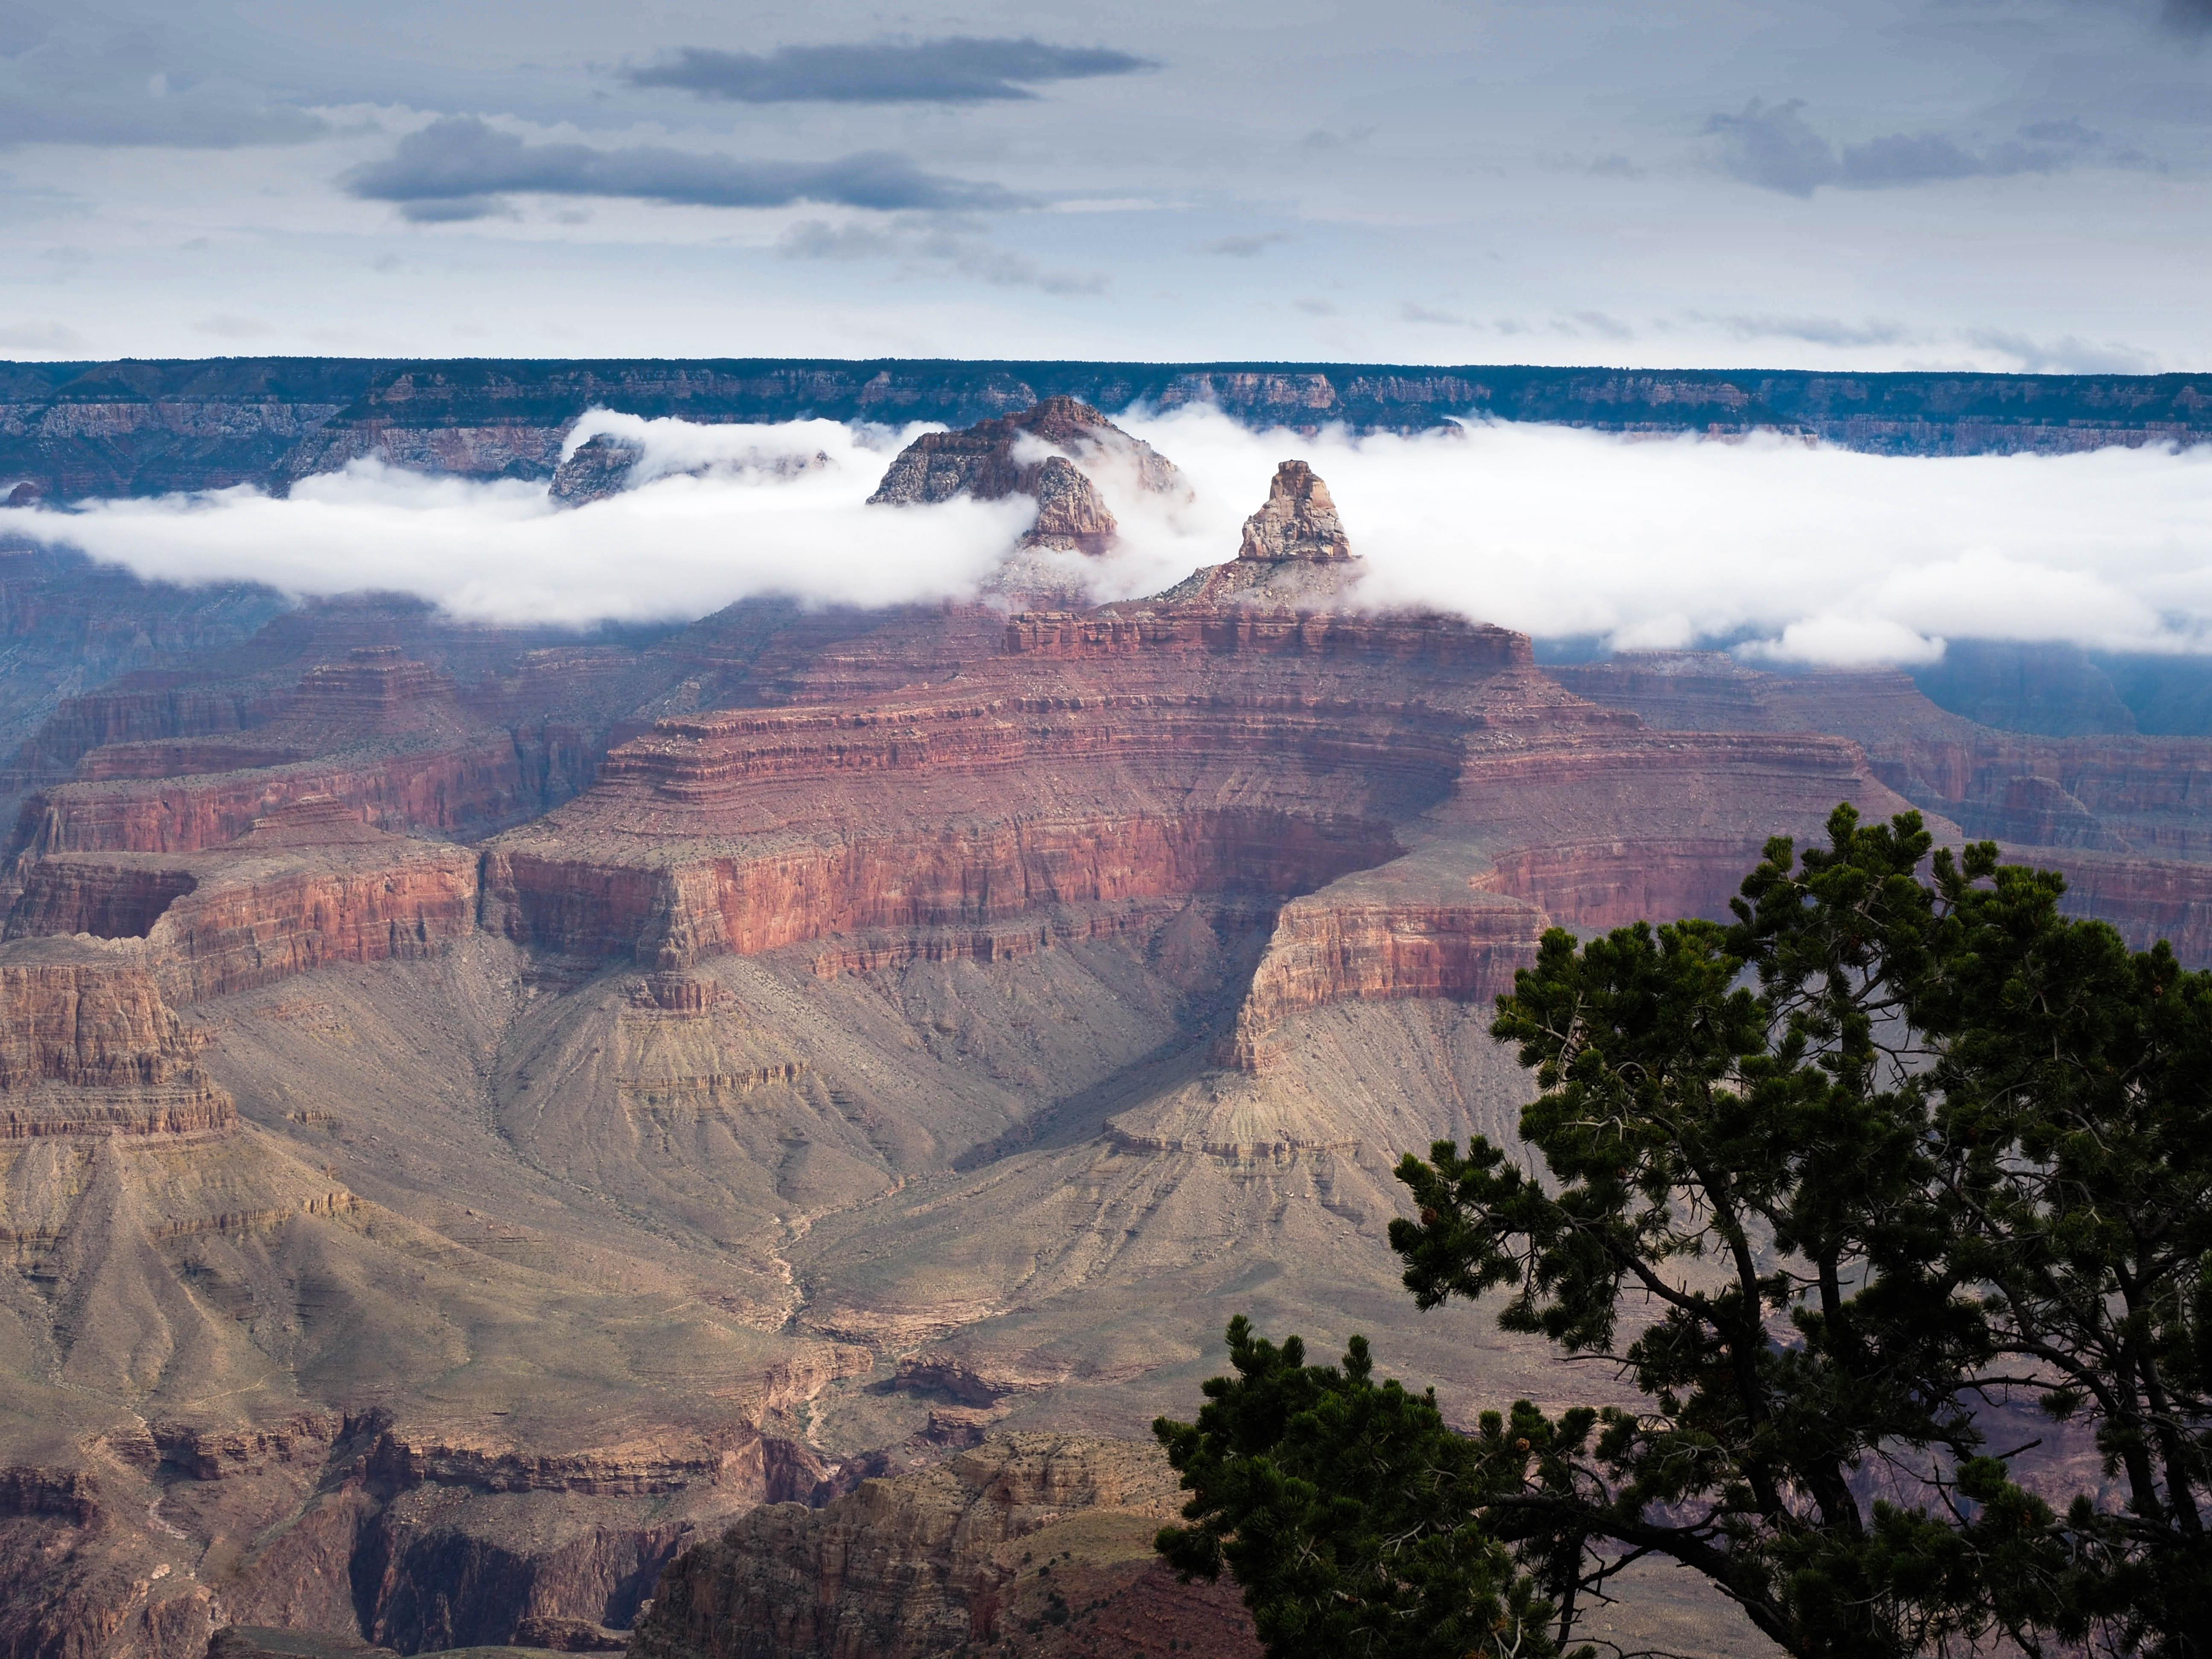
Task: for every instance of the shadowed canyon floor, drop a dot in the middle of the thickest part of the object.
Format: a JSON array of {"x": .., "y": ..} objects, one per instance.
[{"x": 480, "y": 1114}]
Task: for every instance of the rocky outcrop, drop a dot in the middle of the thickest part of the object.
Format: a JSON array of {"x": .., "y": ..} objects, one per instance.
[
  {"x": 746, "y": 902},
  {"x": 755, "y": 829},
  {"x": 64, "y": 1594},
  {"x": 88, "y": 1045},
  {"x": 436, "y": 789},
  {"x": 2146, "y": 899},
  {"x": 989, "y": 461},
  {"x": 1350, "y": 643},
  {"x": 597, "y": 468},
  {"x": 1613, "y": 883},
  {"x": 363, "y": 693},
  {"x": 1033, "y": 1541},
  {"x": 139, "y": 709},
  {"x": 384, "y": 736},
  {"x": 1342, "y": 944},
  {"x": 999, "y": 458},
  {"x": 1298, "y": 521},
  {"x": 1294, "y": 555},
  {"x": 1069, "y": 512},
  {"x": 308, "y": 884},
  {"x": 121, "y": 898},
  {"x": 441, "y": 1541},
  {"x": 375, "y": 690}
]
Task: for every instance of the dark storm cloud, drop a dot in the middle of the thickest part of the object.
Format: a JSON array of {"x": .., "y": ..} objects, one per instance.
[
  {"x": 2189, "y": 16},
  {"x": 458, "y": 167},
  {"x": 957, "y": 70},
  {"x": 1774, "y": 147}
]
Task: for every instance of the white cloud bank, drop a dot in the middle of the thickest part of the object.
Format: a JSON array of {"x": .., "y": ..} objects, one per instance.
[
  {"x": 1800, "y": 552},
  {"x": 679, "y": 546},
  {"x": 1796, "y": 552}
]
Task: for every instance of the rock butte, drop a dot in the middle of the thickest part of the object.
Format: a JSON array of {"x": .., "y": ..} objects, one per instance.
[{"x": 481, "y": 1114}]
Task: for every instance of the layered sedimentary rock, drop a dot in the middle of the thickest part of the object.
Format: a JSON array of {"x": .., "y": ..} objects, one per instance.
[
  {"x": 1029, "y": 1544},
  {"x": 368, "y": 678},
  {"x": 1373, "y": 939},
  {"x": 118, "y": 1152},
  {"x": 306, "y": 885},
  {"x": 89, "y": 1046},
  {"x": 1294, "y": 555},
  {"x": 2128, "y": 812},
  {"x": 931, "y": 1023},
  {"x": 164, "y": 1455},
  {"x": 391, "y": 738},
  {"x": 73, "y": 430},
  {"x": 70, "y": 625},
  {"x": 1199, "y": 745}
]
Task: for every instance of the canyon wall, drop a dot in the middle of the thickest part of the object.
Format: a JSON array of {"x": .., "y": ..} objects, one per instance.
[
  {"x": 1038, "y": 1542},
  {"x": 476, "y": 786},
  {"x": 74, "y": 430},
  {"x": 89, "y": 1047},
  {"x": 925, "y": 1024},
  {"x": 2124, "y": 816}
]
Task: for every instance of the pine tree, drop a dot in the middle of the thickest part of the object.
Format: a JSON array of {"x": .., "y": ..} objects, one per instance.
[{"x": 1893, "y": 1200}]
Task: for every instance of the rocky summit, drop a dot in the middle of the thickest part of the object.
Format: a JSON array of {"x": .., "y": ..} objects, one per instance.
[
  {"x": 1042, "y": 452},
  {"x": 1298, "y": 521},
  {"x": 722, "y": 1139}
]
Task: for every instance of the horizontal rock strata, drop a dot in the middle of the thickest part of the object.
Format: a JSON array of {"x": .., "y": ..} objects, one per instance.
[
  {"x": 83, "y": 429},
  {"x": 950, "y": 1559},
  {"x": 306, "y": 885}
]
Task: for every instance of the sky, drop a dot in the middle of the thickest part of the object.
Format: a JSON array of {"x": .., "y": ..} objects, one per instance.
[{"x": 1852, "y": 184}]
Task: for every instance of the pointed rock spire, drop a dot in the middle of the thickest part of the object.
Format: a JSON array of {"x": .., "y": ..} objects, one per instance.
[{"x": 1299, "y": 522}]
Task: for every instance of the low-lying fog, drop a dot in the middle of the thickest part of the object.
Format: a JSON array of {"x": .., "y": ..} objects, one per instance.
[{"x": 1787, "y": 550}]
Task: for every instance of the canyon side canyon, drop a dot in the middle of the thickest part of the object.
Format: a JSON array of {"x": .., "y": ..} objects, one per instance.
[{"x": 717, "y": 1140}]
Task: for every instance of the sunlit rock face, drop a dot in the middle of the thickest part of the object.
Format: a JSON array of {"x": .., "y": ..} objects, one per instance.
[
  {"x": 1298, "y": 521},
  {"x": 1293, "y": 554}
]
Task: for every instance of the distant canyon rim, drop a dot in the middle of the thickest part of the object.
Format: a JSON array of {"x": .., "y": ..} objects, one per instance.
[
  {"x": 1774, "y": 515},
  {"x": 488, "y": 1112}
]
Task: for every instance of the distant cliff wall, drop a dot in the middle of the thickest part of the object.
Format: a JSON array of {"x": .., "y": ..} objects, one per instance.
[{"x": 72, "y": 431}]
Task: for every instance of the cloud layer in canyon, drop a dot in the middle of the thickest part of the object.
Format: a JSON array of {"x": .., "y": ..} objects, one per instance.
[{"x": 1783, "y": 550}]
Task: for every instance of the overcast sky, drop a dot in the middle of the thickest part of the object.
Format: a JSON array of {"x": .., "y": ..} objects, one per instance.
[{"x": 1877, "y": 184}]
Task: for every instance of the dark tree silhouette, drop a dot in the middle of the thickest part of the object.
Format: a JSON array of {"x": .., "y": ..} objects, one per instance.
[{"x": 1879, "y": 1196}]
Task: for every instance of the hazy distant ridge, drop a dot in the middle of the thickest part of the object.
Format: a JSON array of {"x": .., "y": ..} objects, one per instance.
[{"x": 138, "y": 428}]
